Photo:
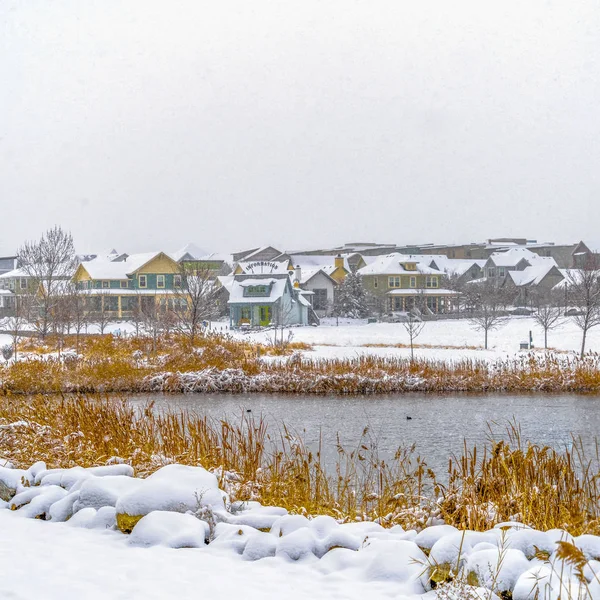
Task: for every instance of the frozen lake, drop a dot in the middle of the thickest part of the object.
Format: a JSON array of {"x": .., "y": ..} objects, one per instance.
[{"x": 437, "y": 426}]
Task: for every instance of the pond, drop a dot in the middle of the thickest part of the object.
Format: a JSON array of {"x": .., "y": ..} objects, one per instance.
[{"x": 437, "y": 424}]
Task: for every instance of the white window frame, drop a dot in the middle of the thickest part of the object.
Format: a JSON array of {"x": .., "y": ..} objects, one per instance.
[
  {"x": 375, "y": 282},
  {"x": 22, "y": 283},
  {"x": 392, "y": 280},
  {"x": 145, "y": 279},
  {"x": 177, "y": 280},
  {"x": 431, "y": 281},
  {"x": 105, "y": 284},
  {"x": 124, "y": 283},
  {"x": 161, "y": 281},
  {"x": 413, "y": 281}
]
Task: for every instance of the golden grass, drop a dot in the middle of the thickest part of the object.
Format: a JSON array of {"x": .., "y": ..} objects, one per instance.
[
  {"x": 221, "y": 363},
  {"x": 540, "y": 487}
]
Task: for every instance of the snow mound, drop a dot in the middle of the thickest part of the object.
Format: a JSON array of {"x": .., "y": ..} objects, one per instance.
[{"x": 171, "y": 529}]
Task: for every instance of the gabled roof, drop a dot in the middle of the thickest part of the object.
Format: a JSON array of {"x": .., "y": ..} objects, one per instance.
[
  {"x": 391, "y": 264},
  {"x": 455, "y": 266},
  {"x": 188, "y": 252},
  {"x": 277, "y": 289},
  {"x": 533, "y": 275},
  {"x": 307, "y": 274},
  {"x": 106, "y": 269},
  {"x": 512, "y": 257}
]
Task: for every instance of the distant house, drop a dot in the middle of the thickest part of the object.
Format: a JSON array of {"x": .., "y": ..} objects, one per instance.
[
  {"x": 142, "y": 281},
  {"x": 401, "y": 282},
  {"x": 262, "y": 300},
  {"x": 542, "y": 276},
  {"x": 8, "y": 263},
  {"x": 500, "y": 264},
  {"x": 463, "y": 269}
]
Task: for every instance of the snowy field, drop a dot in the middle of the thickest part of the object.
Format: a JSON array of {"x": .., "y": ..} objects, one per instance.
[
  {"x": 450, "y": 339},
  {"x": 447, "y": 339},
  {"x": 60, "y": 539}
]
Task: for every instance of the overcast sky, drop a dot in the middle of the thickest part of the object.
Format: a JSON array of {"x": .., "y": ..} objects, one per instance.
[{"x": 145, "y": 125}]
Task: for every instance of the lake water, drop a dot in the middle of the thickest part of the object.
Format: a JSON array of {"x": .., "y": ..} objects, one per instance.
[{"x": 438, "y": 423}]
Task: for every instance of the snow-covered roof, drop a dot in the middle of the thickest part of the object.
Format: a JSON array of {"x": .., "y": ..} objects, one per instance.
[
  {"x": 531, "y": 275},
  {"x": 512, "y": 257},
  {"x": 307, "y": 274},
  {"x": 392, "y": 264},
  {"x": 106, "y": 269},
  {"x": 276, "y": 291},
  {"x": 253, "y": 282},
  {"x": 455, "y": 266},
  {"x": 308, "y": 261},
  {"x": 190, "y": 249}
]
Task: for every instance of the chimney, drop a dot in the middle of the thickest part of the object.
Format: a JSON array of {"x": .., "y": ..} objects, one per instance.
[
  {"x": 297, "y": 276},
  {"x": 339, "y": 262}
]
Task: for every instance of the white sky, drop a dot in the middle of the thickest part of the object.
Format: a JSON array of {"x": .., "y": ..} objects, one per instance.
[{"x": 143, "y": 125}]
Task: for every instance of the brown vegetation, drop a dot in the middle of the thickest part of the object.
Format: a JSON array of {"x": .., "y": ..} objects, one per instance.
[
  {"x": 507, "y": 480},
  {"x": 217, "y": 363}
]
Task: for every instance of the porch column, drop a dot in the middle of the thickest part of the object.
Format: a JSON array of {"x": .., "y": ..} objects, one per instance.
[{"x": 119, "y": 307}]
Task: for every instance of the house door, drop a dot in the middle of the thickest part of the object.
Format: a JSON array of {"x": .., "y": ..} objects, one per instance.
[{"x": 265, "y": 316}]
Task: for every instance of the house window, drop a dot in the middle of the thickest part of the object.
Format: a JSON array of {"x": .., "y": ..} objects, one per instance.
[
  {"x": 23, "y": 283},
  {"x": 124, "y": 284},
  {"x": 105, "y": 284},
  {"x": 143, "y": 281},
  {"x": 501, "y": 271},
  {"x": 246, "y": 313},
  {"x": 413, "y": 281},
  {"x": 431, "y": 281},
  {"x": 160, "y": 281},
  {"x": 177, "y": 281},
  {"x": 394, "y": 282},
  {"x": 491, "y": 272},
  {"x": 375, "y": 282}
]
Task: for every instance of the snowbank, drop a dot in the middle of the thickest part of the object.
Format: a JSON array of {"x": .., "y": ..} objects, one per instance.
[{"x": 182, "y": 507}]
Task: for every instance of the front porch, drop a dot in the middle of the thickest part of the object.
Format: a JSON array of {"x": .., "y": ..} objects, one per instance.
[
  {"x": 430, "y": 301},
  {"x": 250, "y": 315}
]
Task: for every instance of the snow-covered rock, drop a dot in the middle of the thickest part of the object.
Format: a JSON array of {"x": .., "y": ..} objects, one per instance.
[{"x": 175, "y": 530}]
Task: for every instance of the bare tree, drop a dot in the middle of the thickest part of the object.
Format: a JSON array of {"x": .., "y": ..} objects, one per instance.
[
  {"x": 195, "y": 299},
  {"x": 414, "y": 326},
  {"x": 548, "y": 314},
  {"x": 488, "y": 315},
  {"x": 48, "y": 262},
  {"x": 584, "y": 295},
  {"x": 15, "y": 325}
]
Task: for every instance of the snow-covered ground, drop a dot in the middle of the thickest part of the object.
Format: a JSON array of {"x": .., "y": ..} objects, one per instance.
[
  {"x": 449, "y": 339},
  {"x": 60, "y": 538},
  {"x": 445, "y": 339}
]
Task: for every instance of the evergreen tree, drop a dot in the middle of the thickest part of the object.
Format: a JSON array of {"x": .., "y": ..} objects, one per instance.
[{"x": 350, "y": 299}]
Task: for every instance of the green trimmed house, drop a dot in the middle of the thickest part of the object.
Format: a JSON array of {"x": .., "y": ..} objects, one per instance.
[{"x": 119, "y": 288}]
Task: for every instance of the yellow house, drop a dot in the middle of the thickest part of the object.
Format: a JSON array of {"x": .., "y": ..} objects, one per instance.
[{"x": 139, "y": 282}]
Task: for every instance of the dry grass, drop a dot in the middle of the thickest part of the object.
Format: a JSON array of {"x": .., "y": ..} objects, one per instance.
[
  {"x": 220, "y": 363},
  {"x": 506, "y": 480}
]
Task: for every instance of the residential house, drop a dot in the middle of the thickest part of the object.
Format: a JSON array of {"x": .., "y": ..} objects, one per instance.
[
  {"x": 8, "y": 263},
  {"x": 142, "y": 281},
  {"x": 400, "y": 282},
  {"x": 461, "y": 269},
  {"x": 499, "y": 264},
  {"x": 542, "y": 276},
  {"x": 263, "y": 300}
]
